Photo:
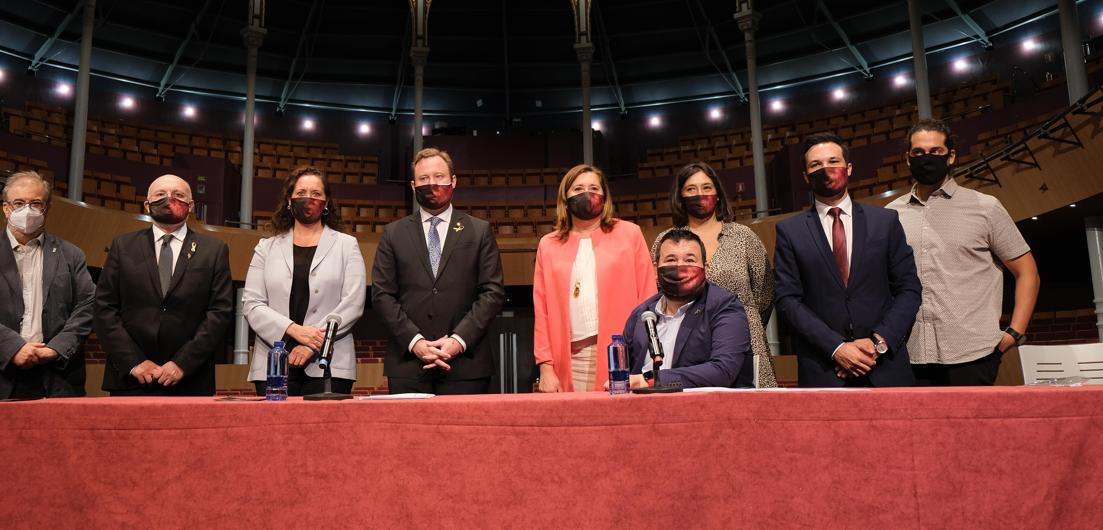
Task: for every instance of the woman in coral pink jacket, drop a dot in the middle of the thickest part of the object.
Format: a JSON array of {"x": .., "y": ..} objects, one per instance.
[{"x": 590, "y": 273}]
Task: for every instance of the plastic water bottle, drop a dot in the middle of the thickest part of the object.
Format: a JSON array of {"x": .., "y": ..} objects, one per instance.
[
  {"x": 276, "y": 389},
  {"x": 618, "y": 366}
]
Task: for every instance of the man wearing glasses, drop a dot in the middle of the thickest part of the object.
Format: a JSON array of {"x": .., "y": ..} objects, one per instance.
[
  {"x": 957, "y": 235},
  {"x": 45, "y": 299}
]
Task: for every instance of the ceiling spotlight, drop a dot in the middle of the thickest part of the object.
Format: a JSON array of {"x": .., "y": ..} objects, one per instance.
[
  {"x": 777, "y": 105},
  {"x": 189, "y": 111},
  {"x": 363, "y": 129},
  {"x": 715, "y": 114},
  {"x": 900, "y": 80},
  {"x": 1030, "y": 45},
  {"x": 596, "y": 125},
  {"x": 961, "y": 65},
  {"x": 1073, "y": 205},
  {"x": 838, "y": 94},
  {"x": 1034, "y": 218},
  {"x": 63, "y": 89},
  {"x": 308, "y": 125},
  {"x": 655, "y": 121},
  {"x": 425, "y": 130},
  {"x": 126, "y": 102},
  {"x": 1, "y": 74}
]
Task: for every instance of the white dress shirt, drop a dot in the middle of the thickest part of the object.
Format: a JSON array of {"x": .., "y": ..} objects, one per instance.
[
  {"x": 667, "y": 327},
  {"x": 828, "y": 223},
  {"x": 442, "y": 231},
  {"x": 442, "y": 228},
  {"x": 177, "y": 243},
  {"x": 28, "y": 261}
]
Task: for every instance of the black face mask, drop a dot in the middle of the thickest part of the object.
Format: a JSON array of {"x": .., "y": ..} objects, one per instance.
[
  {"x": 828, "y": 181},
  {"x": 681, "y": 283},
  {"x": 586, "y": 205},
  {"x": 929, "y": 169},
  {"x": 308, "y": 210},
  {"x": 700, "y": 206},
  {"x": 169, "y": 210},
  {"x": 433, "y": 196}
]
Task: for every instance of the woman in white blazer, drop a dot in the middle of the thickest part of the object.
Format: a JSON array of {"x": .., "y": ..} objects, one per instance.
[{"x": 306, "y": 273}]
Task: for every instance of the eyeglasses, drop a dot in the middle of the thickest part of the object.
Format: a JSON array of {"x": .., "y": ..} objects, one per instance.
[{"x": 17, "y": 204}]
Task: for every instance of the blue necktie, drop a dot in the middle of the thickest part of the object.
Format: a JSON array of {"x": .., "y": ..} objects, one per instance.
[{"x": 434, "y": 243}]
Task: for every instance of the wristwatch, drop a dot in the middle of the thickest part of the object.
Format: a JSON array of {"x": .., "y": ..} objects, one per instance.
[
  {"x": 1019, "y": 337},
  {"x": 880, "y": 345}
]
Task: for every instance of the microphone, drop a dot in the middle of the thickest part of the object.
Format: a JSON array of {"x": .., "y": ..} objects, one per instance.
[
  {"x": 332, "y": 323},
  {"x": 655, "y": 347}
]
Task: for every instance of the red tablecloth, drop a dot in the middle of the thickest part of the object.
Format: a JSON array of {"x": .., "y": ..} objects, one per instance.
[{"x": 914, "y": 458}]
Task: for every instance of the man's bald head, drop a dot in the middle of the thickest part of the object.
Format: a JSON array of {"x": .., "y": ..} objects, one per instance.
[{"x": 169, "y": 186}]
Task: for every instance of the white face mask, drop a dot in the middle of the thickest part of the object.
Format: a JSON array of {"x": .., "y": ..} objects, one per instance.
[{"x": 27, "y": 220}]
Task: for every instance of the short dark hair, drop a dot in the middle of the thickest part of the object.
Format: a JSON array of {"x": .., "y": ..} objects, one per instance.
[
  {"x": 677, "y": 209},
  {"x": 932, "y": 125},
  {"x": 813, "y": 140},
  {"x": 678, "y": 235}
]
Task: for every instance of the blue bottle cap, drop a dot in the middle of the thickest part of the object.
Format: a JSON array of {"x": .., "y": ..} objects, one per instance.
[
  {"x": 618, "y": 337},
  {"x": 278, "y": 344}
]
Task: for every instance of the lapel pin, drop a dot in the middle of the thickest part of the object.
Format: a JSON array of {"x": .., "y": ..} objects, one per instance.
[
  {"x": 458, "y": 228},
  {"x": 192, "y": 250},
  {"x": 53, "y": 250}
]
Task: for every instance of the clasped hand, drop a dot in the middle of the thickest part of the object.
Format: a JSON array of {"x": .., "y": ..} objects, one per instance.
[
  {"x": 855, "y": 359},
  {"x": 437, "y": 353},
  {"x": 33, "y": 354},
  {"x": 147, "y": 372}
]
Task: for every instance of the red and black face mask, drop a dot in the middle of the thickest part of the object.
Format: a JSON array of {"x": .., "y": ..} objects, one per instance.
[
  {"x": 169, "y": 210},
  {"x": 586, "y": 205},
  {"x": 700, "y": 206},
  {"x": 433, "y": 196},
  {"x": 308, "y": 210},
  {"x": 828, "y": 181},
  {"x": 681, "y": 283}
]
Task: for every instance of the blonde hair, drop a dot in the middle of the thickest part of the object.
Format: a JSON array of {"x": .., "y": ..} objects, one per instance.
[
  {"x": 563, "y": 217},
  {"x": 430, "y": 152}
]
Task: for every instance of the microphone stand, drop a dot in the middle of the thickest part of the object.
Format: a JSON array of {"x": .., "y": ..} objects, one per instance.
[
  {"x": 327, "y": 393},
  {"x": 656, "y": 365}
]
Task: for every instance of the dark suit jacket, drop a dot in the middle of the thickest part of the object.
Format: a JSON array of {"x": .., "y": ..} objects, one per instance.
[
  {"x": 188, "y": 326},
  {"x": 713, "y": 347},
  {"x": 882, "y": 296},
  {"x": 464, "y": 298},
  {"x": 67, "y": 292}
]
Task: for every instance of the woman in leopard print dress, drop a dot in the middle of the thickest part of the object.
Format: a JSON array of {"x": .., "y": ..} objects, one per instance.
[{"x": 736, "y": 257}]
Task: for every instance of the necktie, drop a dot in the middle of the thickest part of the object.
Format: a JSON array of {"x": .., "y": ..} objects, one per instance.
[
  {"x": 434, "y": 243},
  {"x": 838, "y": 243},
  {"x": 164, "y": 263}
]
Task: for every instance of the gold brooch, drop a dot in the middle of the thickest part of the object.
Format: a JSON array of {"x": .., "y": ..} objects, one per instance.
[{"x": 458, "y": 228}]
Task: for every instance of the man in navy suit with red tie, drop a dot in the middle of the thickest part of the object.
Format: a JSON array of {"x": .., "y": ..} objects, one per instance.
[{"x": 846, "y": 281}]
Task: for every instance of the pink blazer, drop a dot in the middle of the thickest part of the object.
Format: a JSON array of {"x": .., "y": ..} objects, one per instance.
[{"x": 625, "y": 277}]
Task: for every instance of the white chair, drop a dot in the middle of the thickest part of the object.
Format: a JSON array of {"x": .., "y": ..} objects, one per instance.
[{"x": 1066, "y": 360}]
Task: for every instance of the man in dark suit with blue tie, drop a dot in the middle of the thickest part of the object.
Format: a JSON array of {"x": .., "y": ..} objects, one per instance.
[
  {"x": 437, "y": 285},
  {"x": 845, "y": 280}
]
